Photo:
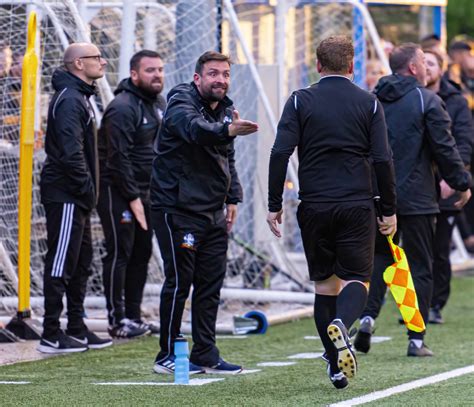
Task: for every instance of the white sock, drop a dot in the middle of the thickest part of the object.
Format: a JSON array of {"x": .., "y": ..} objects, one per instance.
[
  {"x": 417, "y": 342},
  {"x": 370, "y": 320}
]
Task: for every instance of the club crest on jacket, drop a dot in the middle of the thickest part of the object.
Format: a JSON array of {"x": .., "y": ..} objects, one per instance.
[
  {"x": 188, "y": 241},
  {"x": 126, "y": 217}
]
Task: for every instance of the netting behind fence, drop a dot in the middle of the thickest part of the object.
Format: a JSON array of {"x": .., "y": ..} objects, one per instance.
[{"x": 180, "y": 31}]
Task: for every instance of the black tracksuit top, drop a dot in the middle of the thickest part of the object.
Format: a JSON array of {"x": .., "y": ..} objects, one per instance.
[
  {"x": 461, "y": 128},
  {"x": 419, "y": 134},
  {"x": 128, "y": 131},
  {"x": 70, "y": 172},
  {"x": 340, "y": 133},
  {"x": 194, "y": 169}
]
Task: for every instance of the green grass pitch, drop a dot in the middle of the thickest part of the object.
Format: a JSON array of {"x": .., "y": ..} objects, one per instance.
[{"x": 68, "y": 380}]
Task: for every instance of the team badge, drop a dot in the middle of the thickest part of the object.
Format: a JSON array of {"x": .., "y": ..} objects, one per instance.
[
  {"x": 188, "y": 241},
  {"x": 159, "y": 112},
  {"x": 126, "y": 217}
]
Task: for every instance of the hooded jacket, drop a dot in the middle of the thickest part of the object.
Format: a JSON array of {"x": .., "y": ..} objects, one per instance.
[
  {"x": 70, "y": 172},
  {"x": 194, "y": 170},
  {"x": 419, "y": 133},
  {"x": 461, "y": 128},
  {"x": 128, "y": 131}
]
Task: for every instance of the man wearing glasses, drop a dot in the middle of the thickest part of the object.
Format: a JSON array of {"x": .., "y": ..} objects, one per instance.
[{"x": 69, "y": 185}]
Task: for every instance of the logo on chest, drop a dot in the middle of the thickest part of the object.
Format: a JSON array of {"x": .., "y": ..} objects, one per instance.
[{"x": 188, "y": 241}]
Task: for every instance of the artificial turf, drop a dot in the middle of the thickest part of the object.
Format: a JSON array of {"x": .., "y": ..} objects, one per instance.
[{"x": 68, "y": 380}]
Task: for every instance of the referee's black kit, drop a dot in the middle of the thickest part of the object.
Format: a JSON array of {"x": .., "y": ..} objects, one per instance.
[{"x": 340, "y": 133}]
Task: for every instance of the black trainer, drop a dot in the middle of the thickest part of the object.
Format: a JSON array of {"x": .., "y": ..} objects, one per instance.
[
  {"x": 167, "y": 366},
  {"x": 364, "y": 335},
  {"x": 346, "y": 359},
  {"x": 92, "y": 341},
  {"x": 127, "y": 329},
  {"x": 222, "y": 367},
  {"x": 149, "y": 326},
  {"x": 435, "y": 317},
  {"x": 61, "y": 344},
  {"x": 338, "y": 380},
  {"x": 414, "y": 350}
]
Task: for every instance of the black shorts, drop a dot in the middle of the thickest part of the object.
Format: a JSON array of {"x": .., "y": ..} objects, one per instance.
[{"x": 338, "y": 238}]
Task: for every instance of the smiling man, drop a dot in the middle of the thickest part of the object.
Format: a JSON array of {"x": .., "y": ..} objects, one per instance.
[
  {"x": 194, "y": 196},
  {"x": 129, "y": 129}
]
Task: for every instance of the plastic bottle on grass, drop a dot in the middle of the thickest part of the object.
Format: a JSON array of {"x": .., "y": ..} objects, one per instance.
[{"x": 181, "y": 363}]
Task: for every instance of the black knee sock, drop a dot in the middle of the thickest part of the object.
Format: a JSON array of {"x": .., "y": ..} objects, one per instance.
[
  {"x": 324, "y": 313},
  {"x": 351, "y": 303}
]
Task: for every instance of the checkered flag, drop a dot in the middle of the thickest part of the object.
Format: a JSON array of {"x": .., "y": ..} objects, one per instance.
[{"x": 399, "y": 281}]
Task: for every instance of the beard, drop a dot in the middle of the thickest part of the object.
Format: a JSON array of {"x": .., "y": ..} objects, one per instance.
[
  {"x": 215, "y": 93},
  {"x": 152, "y": 88},
  {"x": 430, "y": 81}
]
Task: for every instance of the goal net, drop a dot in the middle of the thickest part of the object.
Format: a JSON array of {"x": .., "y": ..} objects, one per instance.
[{"x": 263, "y": 75}]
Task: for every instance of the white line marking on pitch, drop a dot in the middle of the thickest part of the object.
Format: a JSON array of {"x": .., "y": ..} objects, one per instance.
[
  {"x": 374, "y": 339},
  {"x": 232, "y": 336},
  {"x": 245, "y": 371},
  {"x": 376, "y": 395},
  {"x": 192, "y": 382},
  {"x": 9, "y": 382},
  {"x": 271, "y": 364},
  {"x": 310, "y": 355},
  {"x": 379, "y": 339}
]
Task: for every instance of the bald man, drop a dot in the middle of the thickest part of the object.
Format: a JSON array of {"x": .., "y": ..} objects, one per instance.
[{"x": 69, "y": 193}]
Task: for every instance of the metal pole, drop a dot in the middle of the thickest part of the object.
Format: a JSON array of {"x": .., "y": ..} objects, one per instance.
[
  {"x": 280, "y": 45},
  {"x": 358, "y": 38},
  {"x": 127, "y": 37},
  {"x": 219, "y": 25},
  {"x": 27, "y": 139},
  {"x": 149, "y": 24}
]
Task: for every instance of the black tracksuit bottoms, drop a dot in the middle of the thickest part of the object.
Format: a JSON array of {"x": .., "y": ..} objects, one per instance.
[
  {"x": 416, "y": 233},
  {"x": 445, "y": 222},
  {"x": 67, "y": 267},
  {"x": 129, "y": 248},
  {"x": 194, "y": 251}
]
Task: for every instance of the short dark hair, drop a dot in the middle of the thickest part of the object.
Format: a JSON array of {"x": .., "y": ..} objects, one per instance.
[
  {"x": 431, "y": 37},
  {"x": 210, "y": 56},
  {"x": 438, "y": 56},
  {"x": 144, "y": 53},
  {"x": 402, "y": 55},
  {"x": 335, "y": 53},
  {"x": 459, "y": 46}
]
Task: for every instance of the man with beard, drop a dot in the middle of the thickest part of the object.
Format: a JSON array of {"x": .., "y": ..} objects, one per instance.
[
  {"x": 194, "y": 194},
  {"x": 419, "y": 134},
  {"x": 69, "y": 182},
  {"x": 129, "y": 129},
  {"x": 463, "y": 132}
]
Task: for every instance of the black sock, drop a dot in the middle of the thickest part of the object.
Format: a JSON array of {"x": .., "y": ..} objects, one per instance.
[
  {"x": 324, "y": 313},
  {"x": 351, "y": 303}
]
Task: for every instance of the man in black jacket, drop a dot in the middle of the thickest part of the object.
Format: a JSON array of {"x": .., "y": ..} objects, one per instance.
[
  {"x": 463, "y": 132},
  {"x": 69, "y": 183},
  {"x": 340, "y": 133},
  {"x": 129, "y": 128},
  {"x": 419, "y": 134},
  {"x": 193, "y": 180}
]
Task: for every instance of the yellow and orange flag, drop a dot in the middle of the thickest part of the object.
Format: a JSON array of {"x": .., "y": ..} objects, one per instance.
[{"x": 400, "y": 282}]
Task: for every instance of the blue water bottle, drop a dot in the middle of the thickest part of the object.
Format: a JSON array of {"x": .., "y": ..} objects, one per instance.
[{"x": 181, "y": 363}]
